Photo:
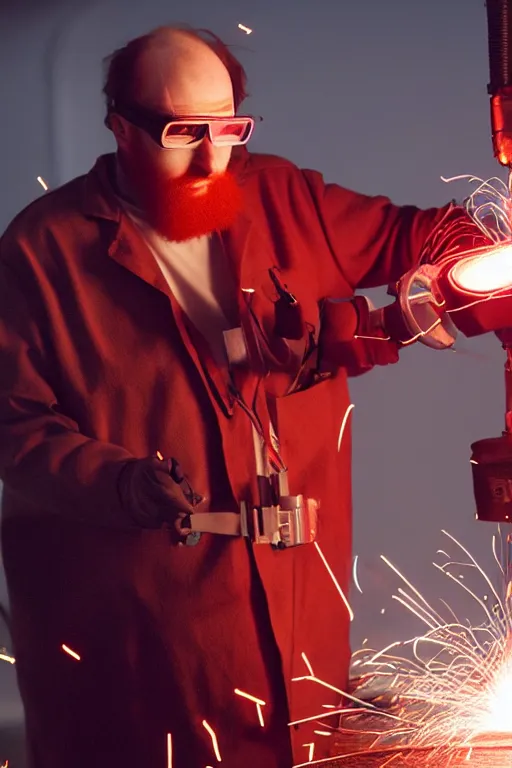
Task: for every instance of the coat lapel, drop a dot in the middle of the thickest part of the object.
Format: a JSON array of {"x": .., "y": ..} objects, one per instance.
[{"x": 130, "y": 250}]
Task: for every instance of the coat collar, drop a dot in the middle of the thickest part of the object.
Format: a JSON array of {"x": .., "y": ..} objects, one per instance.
[
  {"x": 101, "y": 201},
  {"x": 129, "y": 249}
]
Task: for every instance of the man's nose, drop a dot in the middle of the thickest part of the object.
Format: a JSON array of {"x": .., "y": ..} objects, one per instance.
[{"x": 204, "y": 159}]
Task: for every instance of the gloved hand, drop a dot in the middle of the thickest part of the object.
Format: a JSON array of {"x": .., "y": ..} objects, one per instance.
[{"x": 152, "y": 498}]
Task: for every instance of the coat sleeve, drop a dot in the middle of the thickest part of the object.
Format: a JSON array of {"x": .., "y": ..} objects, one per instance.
[
  {"x": 373, "y": 241},
  {"x": 45, "y": 463}
]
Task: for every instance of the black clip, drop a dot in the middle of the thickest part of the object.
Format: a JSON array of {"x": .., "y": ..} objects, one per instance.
[{"x": 288, "y": 320}]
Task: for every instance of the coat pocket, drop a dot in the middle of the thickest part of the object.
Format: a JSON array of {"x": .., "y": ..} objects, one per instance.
[{"x": 307, "y": 429}]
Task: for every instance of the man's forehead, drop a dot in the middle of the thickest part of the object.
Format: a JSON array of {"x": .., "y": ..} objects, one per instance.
[
  {"x": 197, "y": 107},
  {"x": 184, "y": 76}
]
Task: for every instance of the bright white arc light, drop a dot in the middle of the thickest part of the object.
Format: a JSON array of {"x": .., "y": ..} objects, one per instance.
[
  {"x": 485, "y": 273},
  {"x": 497, "y": 704}
]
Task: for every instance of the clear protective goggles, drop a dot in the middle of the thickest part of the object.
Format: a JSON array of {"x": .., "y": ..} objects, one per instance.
[{"x": 183, "y": 132}]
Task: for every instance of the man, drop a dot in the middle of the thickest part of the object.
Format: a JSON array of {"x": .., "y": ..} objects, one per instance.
[{"x": 137, "y": 644}]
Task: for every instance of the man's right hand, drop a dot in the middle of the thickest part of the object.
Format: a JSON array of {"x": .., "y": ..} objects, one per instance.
[{"x": 151, "y": 497}]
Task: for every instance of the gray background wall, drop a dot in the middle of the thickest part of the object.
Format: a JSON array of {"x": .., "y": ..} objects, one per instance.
[{"x": 383, "y": 97}]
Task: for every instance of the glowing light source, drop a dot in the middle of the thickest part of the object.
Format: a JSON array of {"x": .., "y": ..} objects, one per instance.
[
  {"x": 245, "y": 29},
  {"x": 486, "y": 272},
  {"x": 451, "y": 687},
  {"x": 68, "y": 650},
  {"x": 497, "y": 714},
  {"x": 43, "y": 183}
]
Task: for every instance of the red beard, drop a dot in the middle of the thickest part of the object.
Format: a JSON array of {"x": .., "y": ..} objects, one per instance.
[{"x": 186, "y": 207}]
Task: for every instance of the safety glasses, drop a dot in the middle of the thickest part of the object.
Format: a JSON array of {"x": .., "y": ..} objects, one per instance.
[{"x": 172, "y": 132}]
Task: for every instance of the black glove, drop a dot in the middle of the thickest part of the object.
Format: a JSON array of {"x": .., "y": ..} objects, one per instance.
[{"x": 152, "y": 498}]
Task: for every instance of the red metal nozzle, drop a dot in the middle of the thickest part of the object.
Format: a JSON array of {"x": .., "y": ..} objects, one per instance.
[{"x": 501, "y": 124}]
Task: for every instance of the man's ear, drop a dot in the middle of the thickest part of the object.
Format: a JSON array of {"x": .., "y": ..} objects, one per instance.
[{"x": 119, "y": 128}]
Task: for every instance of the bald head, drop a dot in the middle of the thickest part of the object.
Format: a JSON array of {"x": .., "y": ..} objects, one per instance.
[{"x": 179, "y": 73}]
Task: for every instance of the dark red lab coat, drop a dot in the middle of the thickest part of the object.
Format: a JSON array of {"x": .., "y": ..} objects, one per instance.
[{"x": 98, "y": 365}]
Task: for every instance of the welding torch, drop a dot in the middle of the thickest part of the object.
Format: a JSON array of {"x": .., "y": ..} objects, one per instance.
[
  {"x": 471, "y": 290},
  {"x": 491, "y": 459}
]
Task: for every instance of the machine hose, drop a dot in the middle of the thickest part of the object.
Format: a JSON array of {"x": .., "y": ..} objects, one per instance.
[{"x": 499, "y": 25}]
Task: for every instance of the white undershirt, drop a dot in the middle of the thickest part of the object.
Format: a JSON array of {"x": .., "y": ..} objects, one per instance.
[{"x": 199, "y": 276}]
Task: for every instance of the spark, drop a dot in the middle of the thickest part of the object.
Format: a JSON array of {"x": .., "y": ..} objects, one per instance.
[
  {"x": 496, "y": 556},
  {"x": 68, "y": 650},
  {"x": 344, "y": 423},
  {"x": 451, "y": 687},
  {"x": 214, "y": 740},
  {"x": 335, "y": 581},
  {"x": 364, "y": 704},
  {"x": 312, "y": 718},
  {"x": 311, "y": 746},
  {"x": 354, "y": 574},
  {"x": 169, "y": 750},
  {"x": 259, "y": 704},
  {"x": 489, "y": 206},
  {"x": 10, "y": 659},
  {"x": 43, "y": 183},
  {"x": 372, "y": 338},
  {"x": 323, "y": 733},
  {"x": 325, "y": 760},
  {"x": 245, "y": 29},
  {"x": 306, "y": 662},
  {"x": 249, "y": 696}
]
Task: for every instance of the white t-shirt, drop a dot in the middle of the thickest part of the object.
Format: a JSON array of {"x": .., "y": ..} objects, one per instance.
[{"x": 200, "y": 278}]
